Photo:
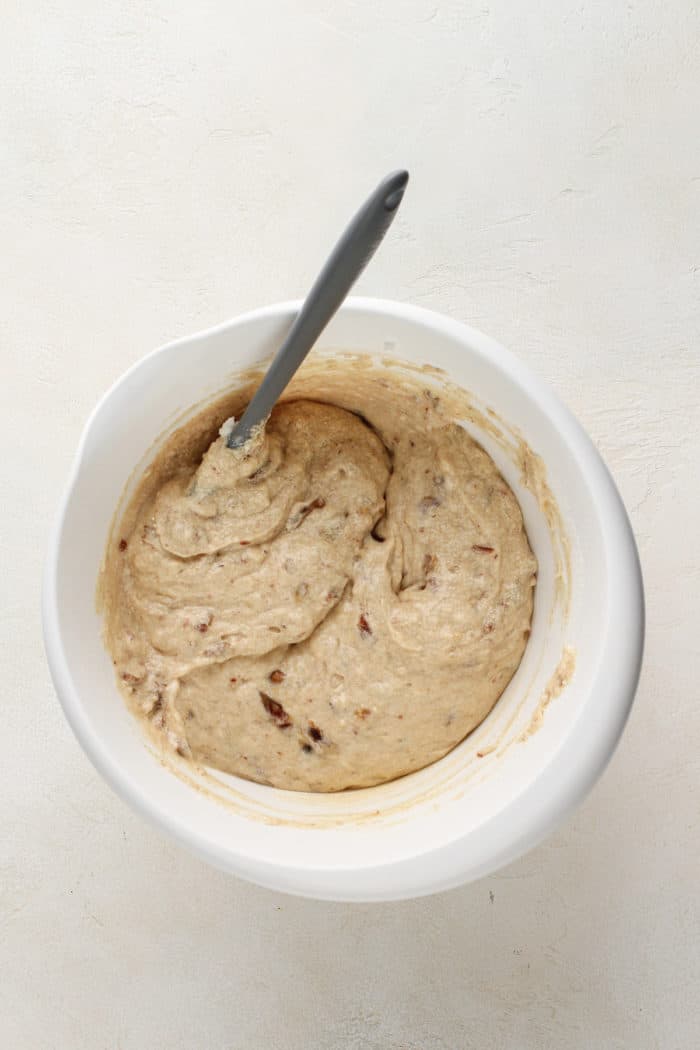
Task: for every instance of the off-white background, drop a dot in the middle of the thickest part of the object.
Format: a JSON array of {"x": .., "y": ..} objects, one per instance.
[{"x": 166, "y": 165}]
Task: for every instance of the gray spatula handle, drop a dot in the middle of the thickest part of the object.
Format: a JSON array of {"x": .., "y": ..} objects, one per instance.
[{"x": 345, "y": 264}]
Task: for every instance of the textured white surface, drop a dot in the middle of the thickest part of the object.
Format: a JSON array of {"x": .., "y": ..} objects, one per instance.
[{"x": 166, "y": 165}]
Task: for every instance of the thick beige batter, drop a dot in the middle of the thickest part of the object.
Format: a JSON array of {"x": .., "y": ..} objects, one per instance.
[{"x": 331, "y": 607}]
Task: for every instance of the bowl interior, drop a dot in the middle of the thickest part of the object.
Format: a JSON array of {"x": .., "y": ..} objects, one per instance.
[{"x": 488, "y": 795}]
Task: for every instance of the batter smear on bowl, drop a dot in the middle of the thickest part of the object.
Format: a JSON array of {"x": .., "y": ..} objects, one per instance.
[{"x": 331, "y": 606}]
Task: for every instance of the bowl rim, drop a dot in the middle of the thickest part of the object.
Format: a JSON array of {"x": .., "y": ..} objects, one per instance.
[{"x": 555, "y": 791}]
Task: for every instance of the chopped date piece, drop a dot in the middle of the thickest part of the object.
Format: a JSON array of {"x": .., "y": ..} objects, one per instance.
[
  {"x": 482, "y": 550},
  {"x": 429, "y": 563},
  {"x": 363, "y": 624},
  {"x": 132, "y": 679},
  {"x": 275, "y": 709},
  {"x": 304, "y": 511},
  {"x": 314, "y": 732},
  {"x": 363, "y": 712},
  {"x": 202, "y": 627},
  {"x": 259, "y": 472},
  {"x": 277, "y": 676},
  {"x": 123, "y": 545},
  {"x": 306, "y": 748}
]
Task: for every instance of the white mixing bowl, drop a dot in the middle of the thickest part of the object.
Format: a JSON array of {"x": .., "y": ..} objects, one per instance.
[{"x": 502, "y": 789}]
